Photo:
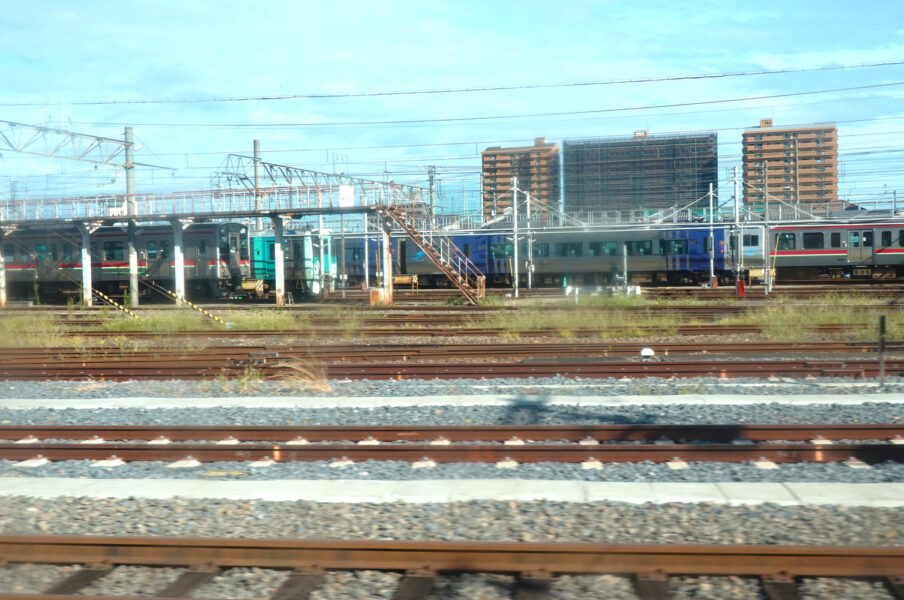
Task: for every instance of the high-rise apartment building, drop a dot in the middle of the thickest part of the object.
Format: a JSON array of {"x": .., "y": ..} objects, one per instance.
[
  {"x": 639, "y": 173},
  {"x": 537, "y": 170},
  {"x": 795, "y": 165}
]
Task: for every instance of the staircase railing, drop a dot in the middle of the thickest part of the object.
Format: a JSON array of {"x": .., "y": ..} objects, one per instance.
[{"x": 448, "y": 258}]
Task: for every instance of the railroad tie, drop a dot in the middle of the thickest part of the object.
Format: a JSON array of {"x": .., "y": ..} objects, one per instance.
[{"x": 78, "y": 580}]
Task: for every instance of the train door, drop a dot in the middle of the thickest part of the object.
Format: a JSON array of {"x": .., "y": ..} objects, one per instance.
[{"x": 860, "y": 245}]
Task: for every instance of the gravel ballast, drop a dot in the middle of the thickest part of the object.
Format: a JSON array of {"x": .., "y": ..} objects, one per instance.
[
  {"x": 599, "y": 522},
  {"x": 540, "y": 521},
  {"x": 532, "y": 386},
  {"x": 888, "y": 472}
]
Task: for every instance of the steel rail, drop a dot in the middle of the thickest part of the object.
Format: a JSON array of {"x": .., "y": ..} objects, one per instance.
[
  {"x": 870, "y": 453},
  {"x": 500, "y": 557},
  {"x": 413, "y": 350},
  {"x": 459, "y": 433}
]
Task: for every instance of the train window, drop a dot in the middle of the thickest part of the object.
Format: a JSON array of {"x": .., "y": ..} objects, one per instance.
[
  {"x": 640, "y": 248},
  {"x": 569, "y": 249},
  {"x": 202, "y": 247},
  {"x": 603, "y": 248},
  {"x": 541, "y": 250},
  {"x": 814, "y": 240},
  {"x": 886, "y": 239},
  {"x": 113, "y": 250},
  {"x": 9, "y": 252},
  {"x": 164, "y": 249},
  {"x": 41, "y": 251},
  {"x": 901, "y": 238},
  {"x": 466, "y": 250},
  {"x": 673, "y": 246},
  {"x": 498, "y": 251},
  {"x": 751, "y": 240},
  {"x": 867, "y": 239},
  {"x": 297, "y": 247},
  {"x": 354, "y": 254},
  {"x": 786, "y": 241},
  {"x": 151, "y": 249},
  {"x": 69, "y": 252},
  {"x": 271, "y": 250},
  {"x": 835, "y": 239}
]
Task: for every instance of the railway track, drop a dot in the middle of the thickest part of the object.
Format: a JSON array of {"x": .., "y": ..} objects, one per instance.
[
  {"x": 332, "y": 353},
  {"x": 574, "y": 444},
  {"x": 534, "y": 565}
]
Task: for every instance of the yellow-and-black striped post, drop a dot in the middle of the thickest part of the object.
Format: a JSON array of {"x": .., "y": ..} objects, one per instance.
[
  {"x": 197, "y": 308},
  {"x": 114, "y": 303}
]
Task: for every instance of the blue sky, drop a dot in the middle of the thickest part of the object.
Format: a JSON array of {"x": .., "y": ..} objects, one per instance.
[{"x": 55, "y": 54}]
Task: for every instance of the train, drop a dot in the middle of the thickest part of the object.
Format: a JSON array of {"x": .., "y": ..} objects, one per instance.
[
  {"x": 681, "y": 254},
  {"x": 228, "y": 261},
  {"x": 221, "y": 260}
]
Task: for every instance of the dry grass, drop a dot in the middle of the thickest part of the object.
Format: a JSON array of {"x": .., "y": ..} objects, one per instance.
[
  {"x": 801, "y": 323},
  {"x": 299, "y": 375}
]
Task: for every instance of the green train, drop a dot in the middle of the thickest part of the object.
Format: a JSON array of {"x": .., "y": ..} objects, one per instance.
[{"x": 310, "y": 265}]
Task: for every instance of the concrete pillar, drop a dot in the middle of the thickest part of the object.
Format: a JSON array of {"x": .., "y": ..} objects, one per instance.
[
  {"x": 87, "y": 283},
  {"x": 387, "y": 263},
  {"x": 279, "y": 262},
  {"x": 2, "y": 279},
  {"x": 178, "y": 259},
  {"x": 133, "y": 267}
]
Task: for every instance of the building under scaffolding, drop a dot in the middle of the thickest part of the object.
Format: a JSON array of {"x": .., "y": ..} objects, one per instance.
[{"x": 642, "y": 172}]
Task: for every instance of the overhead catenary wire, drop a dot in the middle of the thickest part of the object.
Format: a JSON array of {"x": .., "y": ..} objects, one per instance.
[
  {"x": 494, "y": 88},
  {"x": 323, "y": 124}
]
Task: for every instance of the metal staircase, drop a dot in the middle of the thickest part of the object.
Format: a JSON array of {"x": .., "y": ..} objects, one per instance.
[{"x": 413, "y": 219}]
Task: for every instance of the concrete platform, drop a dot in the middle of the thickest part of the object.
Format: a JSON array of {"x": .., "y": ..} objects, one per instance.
[
  {"x": 868, "y": 395},
  {"x": 354, "y": 491}
]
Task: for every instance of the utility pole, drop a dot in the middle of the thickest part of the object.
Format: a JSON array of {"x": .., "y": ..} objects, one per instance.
[
  {"x": 431, "y": 176},
  {"x": 515, "y": 237},
  {"x": 530, "y": 247},
  {"x": 767, "y": 274},
  {"x": 259, "y": 222},
  {"x": 739, "y": 247},
  {"x": 131, "y": 210},
  {"x": 712, "y": 242}
]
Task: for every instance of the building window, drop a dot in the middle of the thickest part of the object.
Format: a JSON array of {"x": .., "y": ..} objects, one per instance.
[{"x": 813, "y": 241}]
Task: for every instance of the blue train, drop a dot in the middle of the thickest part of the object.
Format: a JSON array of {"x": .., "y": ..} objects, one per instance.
[{"x": 673, "y": 256}]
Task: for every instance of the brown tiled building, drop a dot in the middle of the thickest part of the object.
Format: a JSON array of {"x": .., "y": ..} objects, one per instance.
[
  {"x": 537, "y": 170},
  {"x": 796, "y": 165}
]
